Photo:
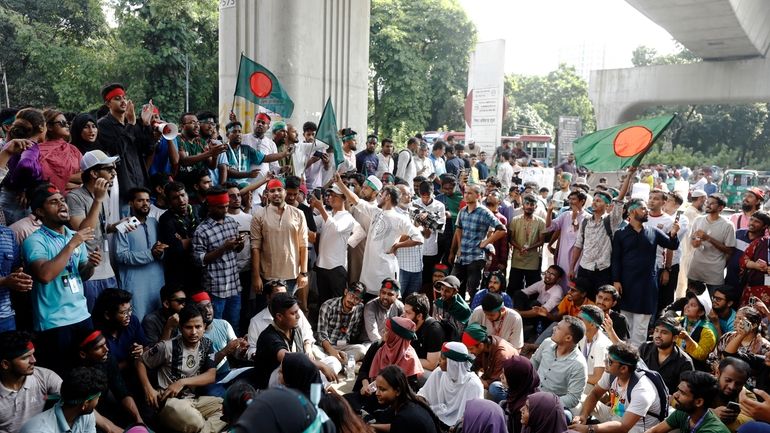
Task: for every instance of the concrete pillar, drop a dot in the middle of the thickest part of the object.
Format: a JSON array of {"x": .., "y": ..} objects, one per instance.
[
  {"x": 317, "y": 49},
  {"x": 619, "y": 95}
]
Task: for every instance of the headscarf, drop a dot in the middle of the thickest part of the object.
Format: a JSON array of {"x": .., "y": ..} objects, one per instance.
[
  {"x": 59, "y": 161},
  {"x": 484, "y": 416},
  {"x": 522, "y": 381},
  {"x": 281, "y": 410},
  {"x": 397, "y": 350},
  {"x": 546, "y": 414},
  {"x": 448, "y": 392},
  {"x": 299, "y": 372},
  {"x": 78, "y": 125}
]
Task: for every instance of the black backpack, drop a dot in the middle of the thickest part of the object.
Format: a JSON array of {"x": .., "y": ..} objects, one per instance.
[
  {"x": 660, "y": 388},
  {"x": 451, "y": 333},
  {"x": 395, "y": 163},
  {"x": 605, "y": 222}
]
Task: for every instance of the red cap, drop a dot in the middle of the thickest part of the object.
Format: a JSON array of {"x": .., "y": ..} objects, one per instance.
[
  {"x": 200, "y": 297},
  {"x": 274, "y": 183},
  {"x": 757, "y": 192}
]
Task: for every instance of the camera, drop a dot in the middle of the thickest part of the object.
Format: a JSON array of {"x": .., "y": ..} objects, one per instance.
[{"x": 432, "y": 221}]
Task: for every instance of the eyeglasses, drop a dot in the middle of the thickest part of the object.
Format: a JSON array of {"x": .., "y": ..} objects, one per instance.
[
  {"x": 192, "y": 122},
  {"x": 126, "y": 313},
  {"x": 62, "y": 123},
  {"x": 717, "y": 298},
  {"x": 109, "y": 168},
  {"x": 178, "y": 300}
]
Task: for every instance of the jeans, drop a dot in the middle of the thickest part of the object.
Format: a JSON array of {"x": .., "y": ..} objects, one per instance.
[
  {"x": 469, "y": 276},
  {"x": 410, "y": 282},
  {"x": 228, "y": 309},
  {"x": 497, "y": 392},
  {"x": 9, "y": 201},
  {"x": 93, "y": 288},
  {"x": 520, "y": 278},
  {"x": 8, "y": 324}
]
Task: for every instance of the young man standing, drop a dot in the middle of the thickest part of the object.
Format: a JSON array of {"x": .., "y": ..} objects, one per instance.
[
  {"x": 367, "y": 160},
  {"x": 526, "y": 235},
  {"x": 385, "y": 162},
  {"x": 432, "y": 210},
  {"x": 713, "y": 239},
  {"x": 176, "y": 228},
  {"x": 216, "y": 244},
  {"x": 752, "y": 202}
]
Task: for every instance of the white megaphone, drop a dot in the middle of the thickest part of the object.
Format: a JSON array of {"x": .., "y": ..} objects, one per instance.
[{"x": 169, "y": 131}]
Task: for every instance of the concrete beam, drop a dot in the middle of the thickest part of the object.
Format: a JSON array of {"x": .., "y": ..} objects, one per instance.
[
  {"x": 619, "y": 95},
  {"x": 316, "y": 49}
]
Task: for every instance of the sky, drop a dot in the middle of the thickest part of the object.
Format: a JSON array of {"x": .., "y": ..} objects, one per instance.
[{"x": 590, "y": 34}]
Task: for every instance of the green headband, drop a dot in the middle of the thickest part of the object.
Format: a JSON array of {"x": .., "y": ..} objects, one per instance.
[
  {"x": 455, "y": 356},
  {"x": 603, "y": 197},
  {"x": 401, "y": 331},
  {"x": 349, "y": 137},
  {"x": 616, "y": 358},
  {"x": 495, "y": 309},
  {"x": 8, "y": 121},
  {"x": 587, "y": 317},
  {"x": 89, "y": 398},
  {"x": 634, "y": 206}
]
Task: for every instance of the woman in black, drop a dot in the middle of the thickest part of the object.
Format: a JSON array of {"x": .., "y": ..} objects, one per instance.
[{"x": 411, "y": 414}]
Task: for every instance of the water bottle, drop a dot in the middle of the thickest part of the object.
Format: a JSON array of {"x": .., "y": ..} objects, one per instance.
[{"x": 350, "y": 370}]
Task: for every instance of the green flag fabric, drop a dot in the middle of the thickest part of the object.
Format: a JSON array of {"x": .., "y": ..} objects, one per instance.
[
  {"x": 621, "y": 146},
  {"x": 258, "y": 85},
  {"x": 327, "y": 131}
]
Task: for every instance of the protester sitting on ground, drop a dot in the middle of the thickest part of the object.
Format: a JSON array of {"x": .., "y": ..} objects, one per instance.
[
  {"x": 594, "y": 345},
  {"x": 491, "y": 352},
  {"x": 482, "y": 416},
  {"x": 411, "y": 414},
  {"x": 430, "y": 334},
  {"x": 560, "y": 364},
  {"x": 449, "y": 388},
  {"x": 340, "y": 322},
  {"x": 698, "y": 336},
  {"x": 543, "y": 413},
  {"x": 298, "y": 372},
  {"x": 663, "y": 355},
  {"x": 450, "y": 306},
  {"x": 341, "y": 414},
  {"x": 493, "y": 283},
  {"x": 521, "y": 380},
  {"x": 732, "y": 375},
  {"x": 615, "y": 324},
  {"x": 237, "y": 399},
  {"x": 576, "y": 297},
  {"x": 282, "y": 410},
  {"x": 380, "y": 309},
  {"x": 747, "y": 338},
  {"x": 163, "y": 323},
  {"x": 113, "y": 315}
]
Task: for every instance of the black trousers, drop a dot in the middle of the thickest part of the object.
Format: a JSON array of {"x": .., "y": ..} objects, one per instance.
[
  {"x": 597, "y": 279},
  {"x": 518, "y": 279},
  {"x": 469, "y": 276},
  {"x": 331, "y": 283}
]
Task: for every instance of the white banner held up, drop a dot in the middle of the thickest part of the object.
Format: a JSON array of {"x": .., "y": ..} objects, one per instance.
[{"x": 486, "y": 75}]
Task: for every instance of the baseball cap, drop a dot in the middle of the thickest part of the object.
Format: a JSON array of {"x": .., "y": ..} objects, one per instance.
[
  {"x": 449, "y": 281},
  {"x": 757, "y": 192},
  {"x": 336, "y": 189},
  {"x": 96, "y": 157}
]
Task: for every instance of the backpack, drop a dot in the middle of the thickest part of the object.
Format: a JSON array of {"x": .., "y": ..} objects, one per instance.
[
  {"x": 660, "y": 388},
  {"x": 395, "y": 163},
  {"x": 605, "y": 222}
]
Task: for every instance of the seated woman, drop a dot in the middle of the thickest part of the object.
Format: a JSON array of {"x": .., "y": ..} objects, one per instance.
[
  {"x": 543, "y": 413},
  {"x": 410, "y": 413},
  {"x": 747, "y": 337},
  {"x": 482, "y": 416},
  {"x": 450, "y": 388},
  {"x": 698, "y": 338},
  {"x": 394, "y": 349},
  {"x": 521, "y": 380},
  {"x": 494, "y": 283}
]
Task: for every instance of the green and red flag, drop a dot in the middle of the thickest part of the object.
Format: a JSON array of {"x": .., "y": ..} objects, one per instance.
[
  {"x": 327, "y": 132},
  {"x": 258, "y": 85},
  {"x": 621, "y": 146}
]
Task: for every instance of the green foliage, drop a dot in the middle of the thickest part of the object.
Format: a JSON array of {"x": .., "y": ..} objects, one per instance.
[
  {"x": 646, "y": 56},
  {"x": 536, "y": 102},
  {"x": 418, "y": 55}
]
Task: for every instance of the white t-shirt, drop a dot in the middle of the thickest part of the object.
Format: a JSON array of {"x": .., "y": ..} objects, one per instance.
[
  {"x": 385, "y": 165},
  {"x": 594, "y": 352},
  {"x": 708, "y": 263},
  {"x": 244, "y": 226},
  {"x": 643, "y": 399},
  {"x": 505, "y": 175},
  {"x": 386, "y": 227},
  {"x": 335, "y": 231},
  {"x": 663, "y": 222}
]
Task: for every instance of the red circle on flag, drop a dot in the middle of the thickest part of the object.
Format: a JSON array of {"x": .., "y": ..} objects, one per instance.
[
  {"x": 261, "y": 85},
  {"x": 631, "y": 141}
]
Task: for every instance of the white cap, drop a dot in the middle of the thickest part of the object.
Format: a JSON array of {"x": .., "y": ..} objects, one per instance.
[
  {"x": 705, "y": 300},
  {"x": 698, "y": 193},
  {"x": 373, "y": 182},
  {"x": 96, "y": 157},
  {"x": 336, "y": 189}
]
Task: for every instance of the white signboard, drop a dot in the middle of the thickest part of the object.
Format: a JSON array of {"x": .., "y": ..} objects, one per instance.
[
  {"x": 544, "y": 176},
  {"x": 570, "y": 129},
  {"x": 486, "y": 75}
]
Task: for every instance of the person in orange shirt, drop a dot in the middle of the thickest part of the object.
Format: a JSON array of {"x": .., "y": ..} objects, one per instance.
[{"x": 570, "y": 305}]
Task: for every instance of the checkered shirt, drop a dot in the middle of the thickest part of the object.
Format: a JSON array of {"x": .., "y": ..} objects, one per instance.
[
  {"x": 331, "y": 321},
  {"x": 475, "y": 226},
  {"x": 220, "y": 277}
]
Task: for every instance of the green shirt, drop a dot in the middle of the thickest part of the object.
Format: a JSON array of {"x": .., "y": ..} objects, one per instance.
[
  {"x": 192, "y": 148},
  {"x": 710, "y": 424},
  {"x": 526, "y": 232}
]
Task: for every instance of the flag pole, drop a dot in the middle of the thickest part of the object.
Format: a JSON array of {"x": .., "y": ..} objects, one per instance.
[{"x": 237, "y": 76}]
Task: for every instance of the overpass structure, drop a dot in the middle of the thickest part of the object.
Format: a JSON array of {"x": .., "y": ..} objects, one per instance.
[{"x": 731, "y": 36}]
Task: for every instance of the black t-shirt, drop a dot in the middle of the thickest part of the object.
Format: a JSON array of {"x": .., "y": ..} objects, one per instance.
[
  {"x": 676, "y": 363},
  {"x": 619, "y": 325},
  {"x": 412, "y": 418},
  {"x": 269, "y": 343},
  {"x": 430, "y": 337}
]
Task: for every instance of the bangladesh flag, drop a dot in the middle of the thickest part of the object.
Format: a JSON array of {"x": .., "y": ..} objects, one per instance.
[
  {"x": 258, "y": 85},
  {"x": 327, "y": 131},
  {"x": 621, "y": 146}
]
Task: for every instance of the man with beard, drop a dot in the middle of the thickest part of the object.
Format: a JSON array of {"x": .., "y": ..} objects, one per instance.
[
  {"x": 366, "y": 188},
  {"x": 384, "y": 235},
  {"x": 526, "y": 234},
  {"x": 713, "y": 239},
  {"x": 163, "y": 323},
  {"x": 633, "y": 267},
  {"x": 752, "y": 202},
  {"x": 385, "y": 162},
  {"x": 279, "y": 237},
  {"x": 664, "y": 257},
  {"x": 692, "y": 398},
  {"x": 615, "y": 324},
  {"x": 380, "y": 309},
  {"x": 367, "y": 160},
  {"x": 58, "y": 262},
  {"x": 92, "y": 351},
  {"x": 88, "y": 208},
  {"x": 339, "y": 325},
  {"x": 23, "y": 385},
  {"x": 80, "y": 392},
  {"x": 732, "y": 375},
  {"x": 139, "y": 256},
  {"x": 293, "y": 185},
  {"x": 663, "y": 356},
  {"x": 759, "y": 221},
  {"x": 215, "y": 247},
  {"x": 243, "y": 161},
  {"x": 691, "y": 212},
  {"x": 409, "y": 259},
  {"x": 194, "y": 151},
  {"x": 175, "y": 229}
]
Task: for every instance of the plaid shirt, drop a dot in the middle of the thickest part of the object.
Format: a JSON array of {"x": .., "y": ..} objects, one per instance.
[
  {"x": 9, "y": 259},
  {"x": 409, "y": 259},
  {"x": 332, "y": 321},
  {"x": 220, "y": 277},
  {"x": 475, "y": 226}
]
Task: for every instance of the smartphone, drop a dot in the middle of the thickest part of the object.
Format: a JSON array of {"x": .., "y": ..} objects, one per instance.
[
  {"x": 746, "y": 326},
  {"x": 373, "y": 387},
  {"x": 734, "y": 406},
  {"x": 123, "y": 226},
  {"x": 752, "y": 301},
  {"x": 557, "y": 204},
  {"x": 678, "y": 214}
]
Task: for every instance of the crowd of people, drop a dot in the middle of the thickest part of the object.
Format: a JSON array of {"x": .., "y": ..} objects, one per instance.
[{"x": 248, "y": 281}]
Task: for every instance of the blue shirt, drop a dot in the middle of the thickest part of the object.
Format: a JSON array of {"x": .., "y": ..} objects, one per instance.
[
  {"x": 367, "y": 162},
  {"x": 633, "y": 265},
  {"x": 160, "y": 161},
  {"x": 120, "y": 346},
  {"x": 9, "y": 260},
  {"x": 483, "y": 170},
  {"x": 56, "y": 304},
  {"x": 728, "y": 324},
  {"x": 138, "y": 270},
  {"x": 475, "y": 226},
  {"x": 53, "y": 421}
]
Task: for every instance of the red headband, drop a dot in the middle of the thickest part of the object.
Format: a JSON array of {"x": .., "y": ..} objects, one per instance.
[
  {"x": 469, "y": 341},
  {"x": 155, "y": 110},
  {"x": 218, "y": 199},
  {"x": 264, "y": 117},
  {"x": 30, "y": 346},
  {"x": 274, "y": 183},
  {"x": 91, "y": 338},
  {"x": 200, "y": 297},
  {"x": 113, "y": 93}
]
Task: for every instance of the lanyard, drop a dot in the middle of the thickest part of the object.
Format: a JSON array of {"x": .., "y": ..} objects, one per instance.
[
  {"x": 71, "y": 266},
  {"x": 697, "y": 424},
  {"x": 239, "y": 158}
]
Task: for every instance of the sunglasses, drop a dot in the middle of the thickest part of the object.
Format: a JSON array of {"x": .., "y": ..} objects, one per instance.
[{"x": 62, "y": 123}]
